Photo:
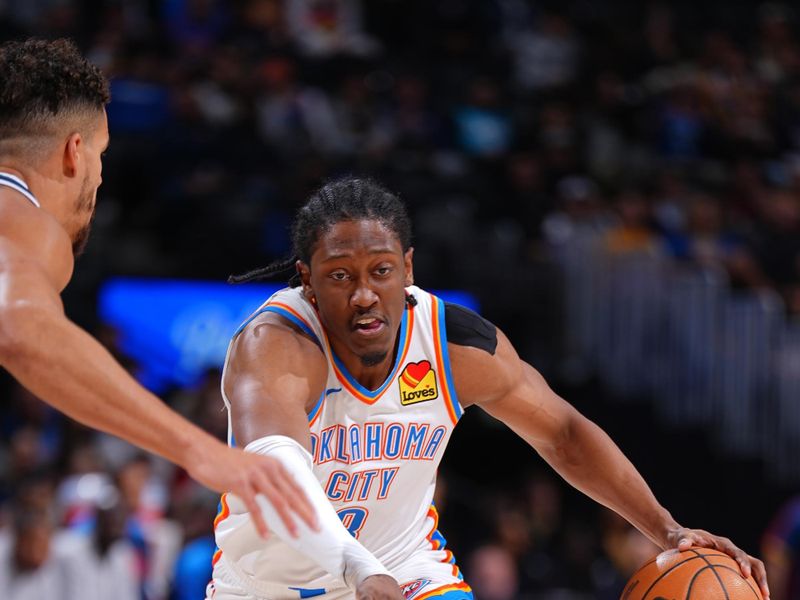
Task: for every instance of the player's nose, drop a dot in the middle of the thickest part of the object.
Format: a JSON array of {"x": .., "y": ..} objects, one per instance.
[{"x": 363, "y": 296}]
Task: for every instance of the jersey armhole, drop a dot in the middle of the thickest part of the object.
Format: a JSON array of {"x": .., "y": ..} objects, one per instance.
[{"x": 467, "y": 328}]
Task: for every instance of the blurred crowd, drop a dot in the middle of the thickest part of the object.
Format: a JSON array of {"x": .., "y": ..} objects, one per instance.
[{"x": 508, "y": 126}]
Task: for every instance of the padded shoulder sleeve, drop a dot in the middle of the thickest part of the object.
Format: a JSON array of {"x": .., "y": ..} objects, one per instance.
[{"x": 468, "y": 328}]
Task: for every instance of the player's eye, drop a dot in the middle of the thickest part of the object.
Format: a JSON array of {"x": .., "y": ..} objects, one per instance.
[
  {"x": 338, "y": 276},
  {"x": 383, "y": 270}
]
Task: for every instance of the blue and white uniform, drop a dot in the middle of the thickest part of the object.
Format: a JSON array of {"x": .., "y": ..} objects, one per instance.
[
  {"x": 15, "y": 183},
  {"x": 375, "y": 453}
]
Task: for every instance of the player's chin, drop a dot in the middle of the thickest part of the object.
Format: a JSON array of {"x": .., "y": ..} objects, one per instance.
[
  {"x": 373, "y": 358},
  {"x": 371, "y": 351}
]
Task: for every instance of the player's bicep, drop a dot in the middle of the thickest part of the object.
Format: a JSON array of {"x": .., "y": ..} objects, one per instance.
[
  {"x": 28, "y": 303},
  {"x": 24, "y": 283},
  {"x": 273, "y": 374},
  {"x": 533, "y": 410},
  {"x": 513, "y": 392}
]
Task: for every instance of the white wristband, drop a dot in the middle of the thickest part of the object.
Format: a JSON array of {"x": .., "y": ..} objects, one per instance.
[{"x": 332, "y": 547}]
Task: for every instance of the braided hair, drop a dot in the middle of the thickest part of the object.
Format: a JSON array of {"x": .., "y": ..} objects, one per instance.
[{"x": 346, "y": 199}]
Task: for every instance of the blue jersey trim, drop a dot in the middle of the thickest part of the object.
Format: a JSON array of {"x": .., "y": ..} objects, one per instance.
[
  {"x": 317, "y": 407},
  {"x": 286, "y": 315},
  {"x": 442, "y": 333},
  {"x": 15, "y": 183},
  {"x": 400, "y": 345},
  {"x": 456, "y": 595},
  {"x": 308, "y": 592}
]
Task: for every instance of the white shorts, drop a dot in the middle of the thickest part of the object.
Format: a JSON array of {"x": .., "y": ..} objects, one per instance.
[{"x": 230, "y": 584}]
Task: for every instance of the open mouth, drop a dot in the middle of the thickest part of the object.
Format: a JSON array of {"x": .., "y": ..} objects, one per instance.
[{"x": 369, "y": 326}]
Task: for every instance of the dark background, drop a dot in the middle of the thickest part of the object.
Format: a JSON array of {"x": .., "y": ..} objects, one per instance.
[{"x": 519, "y": 134}]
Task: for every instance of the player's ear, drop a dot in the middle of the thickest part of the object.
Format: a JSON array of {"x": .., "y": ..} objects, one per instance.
[
  {"x": 304, "y": 271},
  {"x": 408, "y": 260},
  {"x": 72, "y": 155}
]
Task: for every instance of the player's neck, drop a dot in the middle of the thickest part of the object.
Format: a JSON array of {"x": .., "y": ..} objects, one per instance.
[
  {"x": 12, "y": 171},
  {"x": 38, "y": 183},
  {"x": 38, "y": 234},
  {"x": 369, "y": 376}
]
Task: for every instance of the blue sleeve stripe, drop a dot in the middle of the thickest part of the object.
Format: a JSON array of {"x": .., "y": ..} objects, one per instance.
[
  {"x": 442, "y": 333},
  {"x": 314, "y": 411},
  {"x": 286, "y": 315}
]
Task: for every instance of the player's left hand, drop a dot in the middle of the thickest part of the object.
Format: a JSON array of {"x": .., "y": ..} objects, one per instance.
[{"x": 683, "y": 539}]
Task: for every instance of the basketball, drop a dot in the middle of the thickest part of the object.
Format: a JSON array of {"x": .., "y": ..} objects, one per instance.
[{"x": 694, "y": 574}]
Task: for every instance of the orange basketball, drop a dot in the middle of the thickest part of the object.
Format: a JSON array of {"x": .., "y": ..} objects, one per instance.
[{"x": 694, "y": 574}]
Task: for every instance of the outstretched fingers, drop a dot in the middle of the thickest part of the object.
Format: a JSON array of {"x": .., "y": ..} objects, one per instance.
[
  {"x": 760, "y": 575},
  {"x": 269, "y": 481},
  {"x": 248, "y": 496},
  {"x": 748, "y": 565}
]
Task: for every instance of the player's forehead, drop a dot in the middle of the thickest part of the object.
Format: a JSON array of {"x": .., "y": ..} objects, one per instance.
[{"x": 356, "y": 238}]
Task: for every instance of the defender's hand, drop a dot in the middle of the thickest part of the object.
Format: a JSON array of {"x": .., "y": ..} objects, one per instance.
[
  {"x": 225, "y": 469},
  {"x": 379, "y": 587},
  {"x": 683, "y": 539}
]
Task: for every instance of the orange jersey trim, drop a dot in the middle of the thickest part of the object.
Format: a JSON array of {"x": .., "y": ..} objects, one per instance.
[
  {"x": 440, "y": 362},
  {"x": 293, "y": 312},
  {"x": 441, "y": 591},
  {"x": 344, "y": 379},
  {"x": 224, "y": 510}
]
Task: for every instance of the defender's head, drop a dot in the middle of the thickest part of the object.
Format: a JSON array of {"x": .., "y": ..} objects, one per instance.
[
  {"x": 53, "y": 122},
  {"x": 353, "y": 244}
]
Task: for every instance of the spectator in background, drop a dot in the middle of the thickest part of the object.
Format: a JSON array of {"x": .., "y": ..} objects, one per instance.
[
  {"x": 625, "y": 551},
  {"x": 192, "y": 571},
  {"x": 708, "y": 243},
  {"x": 493, "y": 574},
  {"x": 156, "y": 539},
  {"x": 293, "y": 118},
  {"x": 195, "y": 25},
  {"x": 777, "y": 243},
  {"x": 580, "y": 215},
  {"x": 325, "y": 29},
  {"x": 633, "y": 232},
  {"x": 34, "y": 563},
  {"x": 483, "y": 127},
  {"x": 780, "y": 547},
  {"x": 105, "y": 562},
  {"x": 545, "y": 54}
]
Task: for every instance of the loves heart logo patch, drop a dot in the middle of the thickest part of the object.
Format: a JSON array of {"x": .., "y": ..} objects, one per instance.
[{"x": 418, "y": 383}]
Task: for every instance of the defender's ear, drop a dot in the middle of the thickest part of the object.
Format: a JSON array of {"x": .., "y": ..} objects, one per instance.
[{"x": 72, "y": 155}]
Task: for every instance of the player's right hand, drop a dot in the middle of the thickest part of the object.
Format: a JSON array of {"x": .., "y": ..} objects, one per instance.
[
  {"x": 225, "y": 469},
  {"x": 379, "y": 587}
]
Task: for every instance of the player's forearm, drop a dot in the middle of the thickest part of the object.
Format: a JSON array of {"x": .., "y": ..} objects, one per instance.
[
  {"x": 67, "y": 368},
  {"x": 332, "y": 547},
  {"x": 588, "y": 459}
]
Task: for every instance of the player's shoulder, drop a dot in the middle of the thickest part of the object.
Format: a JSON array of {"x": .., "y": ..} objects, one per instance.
[
  {"x": 462, "y": 325},
  {"x": 31, "y": 240},
  {"x": 483, "y": 362},
  {"x": 276, "y": 326}
]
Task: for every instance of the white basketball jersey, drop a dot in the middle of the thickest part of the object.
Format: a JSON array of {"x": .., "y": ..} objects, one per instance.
[
  {"x": 375, "y": 456},
  {"x": 15, "y": 183}
]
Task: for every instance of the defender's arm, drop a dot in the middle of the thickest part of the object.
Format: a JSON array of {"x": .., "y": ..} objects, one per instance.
[{"x": 67, "y": 368}]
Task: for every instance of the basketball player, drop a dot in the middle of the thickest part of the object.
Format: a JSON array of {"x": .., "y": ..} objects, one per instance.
[
  {"x": 355, "y": 378},
  {"x": 53, "y": 131}
]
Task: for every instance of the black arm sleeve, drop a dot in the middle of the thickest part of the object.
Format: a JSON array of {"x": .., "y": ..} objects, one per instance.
[{"x": 467, "y": 328}]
